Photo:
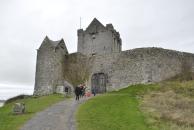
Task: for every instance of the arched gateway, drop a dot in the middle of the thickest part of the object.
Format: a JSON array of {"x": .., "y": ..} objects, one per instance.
[{"x": 99, "y": 82}]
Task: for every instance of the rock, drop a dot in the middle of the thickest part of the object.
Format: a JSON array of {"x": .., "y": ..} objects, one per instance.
[{"x": 19, "y": 108}]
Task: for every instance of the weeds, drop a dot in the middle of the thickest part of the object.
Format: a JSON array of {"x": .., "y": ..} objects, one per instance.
[{"x": 172, "y": 103}]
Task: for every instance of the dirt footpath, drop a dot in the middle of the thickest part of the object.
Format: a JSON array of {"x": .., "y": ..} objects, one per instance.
[{"x": 60, "y": 116}]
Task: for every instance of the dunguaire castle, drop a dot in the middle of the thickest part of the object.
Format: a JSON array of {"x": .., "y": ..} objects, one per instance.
[{"x": 100, "y": 62}]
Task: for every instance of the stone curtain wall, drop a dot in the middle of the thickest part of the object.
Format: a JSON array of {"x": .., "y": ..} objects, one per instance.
[
  {"x": 141, "y": 65},
  {"x": 49, "y": 69},
  {"x": 77, "y": 67}
]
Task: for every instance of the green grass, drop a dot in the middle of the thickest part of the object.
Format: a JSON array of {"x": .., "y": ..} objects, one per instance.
[
  {"x": 114, "y": 111},
  {"x": 141, "y": 107},
  {"x": 9, "y": 121}
]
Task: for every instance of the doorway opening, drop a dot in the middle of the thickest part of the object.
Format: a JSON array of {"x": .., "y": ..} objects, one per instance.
[{"x": 99, "y": 82}]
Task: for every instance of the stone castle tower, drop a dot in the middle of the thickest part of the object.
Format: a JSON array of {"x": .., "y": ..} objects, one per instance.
[
  {"x": 100, "y": 63},
  {"x": 98, "y": 39},
  {"x": 49, "y": 66}
]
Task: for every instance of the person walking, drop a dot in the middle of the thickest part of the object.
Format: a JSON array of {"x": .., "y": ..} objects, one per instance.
[
  {"x": 77, "y": 92},
  {"x": 94, "y": 91},
  {"x": 66, "y": 91},
  {"x": 81, "y": 90}
]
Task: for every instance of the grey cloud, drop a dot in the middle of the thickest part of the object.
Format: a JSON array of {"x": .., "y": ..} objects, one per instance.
[{"x": 141, "y": 23}]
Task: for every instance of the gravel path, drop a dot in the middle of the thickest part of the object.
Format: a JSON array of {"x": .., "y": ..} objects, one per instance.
[{"x": 57, "y": 117}]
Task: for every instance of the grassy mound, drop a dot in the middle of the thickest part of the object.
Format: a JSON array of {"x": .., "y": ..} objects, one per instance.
[
  {"x": 167, "y": 105},
  {"x": 114, "y": 111},
  {"x": 8, "y": 121}
]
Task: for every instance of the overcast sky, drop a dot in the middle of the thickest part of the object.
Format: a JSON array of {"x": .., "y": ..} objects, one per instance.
[{"x": 142, "y": 23}]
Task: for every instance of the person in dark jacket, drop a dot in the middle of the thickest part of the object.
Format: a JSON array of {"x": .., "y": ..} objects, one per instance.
[
  {"x": 94, "y": 91},
  {"x": 77, "y": 92},
  {"x": 66, "y": 91}
]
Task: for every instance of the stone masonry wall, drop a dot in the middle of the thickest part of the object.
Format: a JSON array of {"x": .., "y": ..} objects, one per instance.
[
  {"x": 140, "y": 66},
  {"x": 49, "y": 69},
  {"x": 77, "y": 67},
  {"x": 98, "y": 41}
]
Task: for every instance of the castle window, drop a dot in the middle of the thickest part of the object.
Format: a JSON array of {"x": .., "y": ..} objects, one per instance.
[
  {"x": 62, "y": 46},
  {"x": 93, "y": 36}
]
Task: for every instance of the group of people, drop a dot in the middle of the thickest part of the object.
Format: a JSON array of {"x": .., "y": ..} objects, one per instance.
[{"x": 80, "y": 91}]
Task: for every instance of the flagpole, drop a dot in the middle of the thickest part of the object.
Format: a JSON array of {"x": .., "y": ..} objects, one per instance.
[{"x": 80, "y": 22}]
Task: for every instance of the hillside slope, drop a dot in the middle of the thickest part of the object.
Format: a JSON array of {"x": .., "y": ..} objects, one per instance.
[{"x": 167, "y": 105}]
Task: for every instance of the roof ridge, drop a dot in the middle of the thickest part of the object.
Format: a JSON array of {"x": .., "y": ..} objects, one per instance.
[
  {"x": 95, "y": 21},
  {"x": 54, "y": 43}
]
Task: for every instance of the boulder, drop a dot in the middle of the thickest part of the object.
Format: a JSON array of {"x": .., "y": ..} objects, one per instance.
[{"x": 18, "y": 108}]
